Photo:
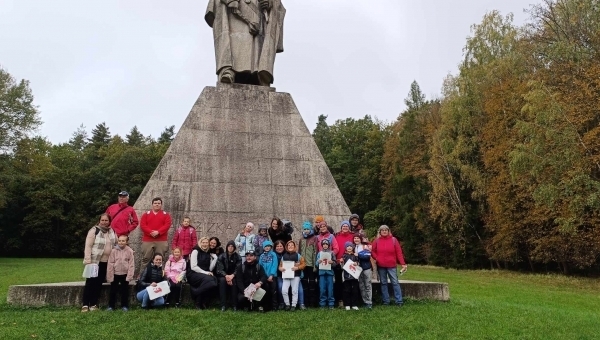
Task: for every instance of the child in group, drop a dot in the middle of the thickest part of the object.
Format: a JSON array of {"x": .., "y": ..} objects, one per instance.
[
  {"x": 325, "y": 276},
  {"x": 307, "y": 247},
  {"x": 175, "y": 272},
  {"x": 260, "y": 239},
  {"x": 363, "y": 251},
  {"x": 185, "y": 238},
  {"x": 351, "y": 291},
  {"x": 279, "y": 251},
  {"x": 119, "y": 272},
  {"x": 268, "y": 260},
  {"x": 291, "y": 256}
]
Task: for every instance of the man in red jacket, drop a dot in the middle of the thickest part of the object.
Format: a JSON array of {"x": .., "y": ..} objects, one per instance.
[
  {"x": 387, "y": 252},
  {"x": 124, "y": 219},
  {"x": 155, "y": 228}
]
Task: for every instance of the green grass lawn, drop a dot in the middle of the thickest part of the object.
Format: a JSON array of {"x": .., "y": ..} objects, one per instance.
[{"x": 484, "y": 305}]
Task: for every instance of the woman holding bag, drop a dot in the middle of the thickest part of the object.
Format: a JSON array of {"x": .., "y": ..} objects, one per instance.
[
  {"x": 99, "y": 242},
  {"x": 200, "y": 277}
]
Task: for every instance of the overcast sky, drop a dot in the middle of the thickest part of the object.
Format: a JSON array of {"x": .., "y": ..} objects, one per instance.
[{"x": 145, "y": 62}]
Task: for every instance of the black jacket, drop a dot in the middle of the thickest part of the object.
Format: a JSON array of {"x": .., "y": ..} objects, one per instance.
[
  {"x": 246, "y": 274},
  {"x": 227, "y": 264},
  {"x": 151, "y": 274}
]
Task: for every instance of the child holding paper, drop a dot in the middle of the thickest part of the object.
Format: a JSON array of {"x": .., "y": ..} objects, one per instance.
[
  {"x": 363, "y": 251},
  {"x": 120, "y": 272},
  {"x": 175, "y": 271},
  {"x": 351, "y": 292},
  {"x": 293, "y": 261},
  {"x": 324, "y": 262}
]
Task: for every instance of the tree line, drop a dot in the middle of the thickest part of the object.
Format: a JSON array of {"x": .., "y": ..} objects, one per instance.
[{"x": 501, "y": 171}]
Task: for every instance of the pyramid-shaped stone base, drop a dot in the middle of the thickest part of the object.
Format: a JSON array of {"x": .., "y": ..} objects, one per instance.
[{"x": 243, "y": 154}]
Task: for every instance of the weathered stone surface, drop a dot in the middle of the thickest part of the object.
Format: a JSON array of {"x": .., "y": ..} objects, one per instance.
[
  {"x": 243, "y": 154},
  {"x": 70, "y": 293}
]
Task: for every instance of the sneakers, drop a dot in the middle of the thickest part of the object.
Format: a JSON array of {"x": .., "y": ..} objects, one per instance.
[
  {"x": 287, "y": 308},
  {"x": 223, "y": 309},
  {"x": 302, "y": 307},
  {"x": 84, "y": 309},
  {"x": 261, "y": 309},
  {"x": 354, "y": 308},
  {"x": 347, "y": 307},
  {"x": 109, "y": 309},
  {"x": 93, "y": 308},
  {"x": 331, "y": 308},
  {"x": 293, "y": 309},
  {"x": 281, "y": 306},
  {"x": 369, "y": 306},
  {"x": 125, "y": 309}
]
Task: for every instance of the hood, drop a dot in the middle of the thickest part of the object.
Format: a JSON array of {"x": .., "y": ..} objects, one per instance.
[
  {"x": 230, "y": 243},
  {"x": 354, "y": 216},
  {"x": 268, "y": 243}
]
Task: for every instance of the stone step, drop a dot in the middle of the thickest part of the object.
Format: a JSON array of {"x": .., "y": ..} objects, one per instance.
[{"x": 70, "y": 293}]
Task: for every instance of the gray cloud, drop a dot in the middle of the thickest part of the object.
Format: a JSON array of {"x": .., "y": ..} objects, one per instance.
[{"x": 145, "y": 62}]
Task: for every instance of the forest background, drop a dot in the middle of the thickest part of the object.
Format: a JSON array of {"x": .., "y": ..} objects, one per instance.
[{"x": 502, "y": 170}]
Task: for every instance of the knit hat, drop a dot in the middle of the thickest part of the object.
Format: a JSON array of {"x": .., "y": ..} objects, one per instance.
[
  {"x": 348, "y": 244},
  {"x": 319, "y": 219},
  {"x": 262, "y": 226},
  {"x": 306, "y": 225},
  {"x": 354, "y": 216},
  {"x": 325, "y": 241},
  {"x": 346, "y": 223}
]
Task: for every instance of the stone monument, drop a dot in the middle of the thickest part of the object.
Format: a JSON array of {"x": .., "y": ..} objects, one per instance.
[{"x": 243, "y": 153}]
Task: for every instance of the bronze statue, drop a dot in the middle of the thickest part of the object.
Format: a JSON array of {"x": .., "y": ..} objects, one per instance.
[{"x": 247, "y": 34}]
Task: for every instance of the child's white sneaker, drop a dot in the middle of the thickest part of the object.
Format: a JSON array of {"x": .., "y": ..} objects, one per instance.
[
  {"x": 355, "y": 308},
  {"x": 347, "y": 307}
]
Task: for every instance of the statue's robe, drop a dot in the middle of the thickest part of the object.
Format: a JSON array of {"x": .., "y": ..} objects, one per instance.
[{"x": 236, "y": 48}]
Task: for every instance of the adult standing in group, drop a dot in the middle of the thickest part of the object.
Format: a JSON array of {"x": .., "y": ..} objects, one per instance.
[
  {"x": 277, "y": 231},
  {"x": 123, "y": 217},
  {"x": 341, "y": 237},
  {"x": 250, "y": 272},
  {"x": 99, "y": 242},
  {"x": 155, "y": 226},
  {"x": 244, "y": 241},
  {"x": 387, "y": 252},
  {"x": 307, "y": 247},
  {"x": 200, "y": 276}
]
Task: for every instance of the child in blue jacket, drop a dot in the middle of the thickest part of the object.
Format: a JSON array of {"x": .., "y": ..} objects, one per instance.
[
  {"x": 325, "y": 276},
  {"x": 268, "y": 260}
]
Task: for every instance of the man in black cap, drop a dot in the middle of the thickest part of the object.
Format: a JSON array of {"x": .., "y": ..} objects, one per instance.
[
  {"x": 124, "y": 219},
  {"x": 251, "y": 272}
]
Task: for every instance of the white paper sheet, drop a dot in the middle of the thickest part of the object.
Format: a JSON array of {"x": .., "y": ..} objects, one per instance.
[
  {"x": 288, "y": 273},
  {"x": 324, "y": 265},
  {"x": 90, "y": 270},
  {"x": 161, "y": 289},
  {"x": 353, "y": 269}
]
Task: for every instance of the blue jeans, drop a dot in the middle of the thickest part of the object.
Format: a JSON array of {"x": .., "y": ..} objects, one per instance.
[
  {"x": 144, "y": 298},
  {"x": 383, "y": 278},
  {"x": 326, "y": 291},
  {"x": 280, "y": 294}
]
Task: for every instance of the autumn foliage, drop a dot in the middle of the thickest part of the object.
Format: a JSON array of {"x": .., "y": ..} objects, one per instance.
[{"x": 503, "y": 170}]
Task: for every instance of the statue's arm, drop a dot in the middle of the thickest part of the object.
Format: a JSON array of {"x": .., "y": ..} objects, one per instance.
[{"x": 231, "y": 3}]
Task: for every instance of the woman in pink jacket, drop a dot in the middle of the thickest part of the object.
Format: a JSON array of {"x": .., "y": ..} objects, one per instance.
[{"x": 387, "y": 252}]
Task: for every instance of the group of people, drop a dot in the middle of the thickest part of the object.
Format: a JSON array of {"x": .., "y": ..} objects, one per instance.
[{"x": 251, "y": 260}]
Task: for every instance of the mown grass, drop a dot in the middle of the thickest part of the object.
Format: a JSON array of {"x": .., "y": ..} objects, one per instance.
[{"x": 484, "y": 305}]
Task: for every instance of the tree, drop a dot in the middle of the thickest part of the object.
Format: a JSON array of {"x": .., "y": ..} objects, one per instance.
[
  {"x": 135, "y": 137},
  {"x": 167, "y": 136},
  {"x": 18, "y": 115},
  {"x": 100, "y": 136}
]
